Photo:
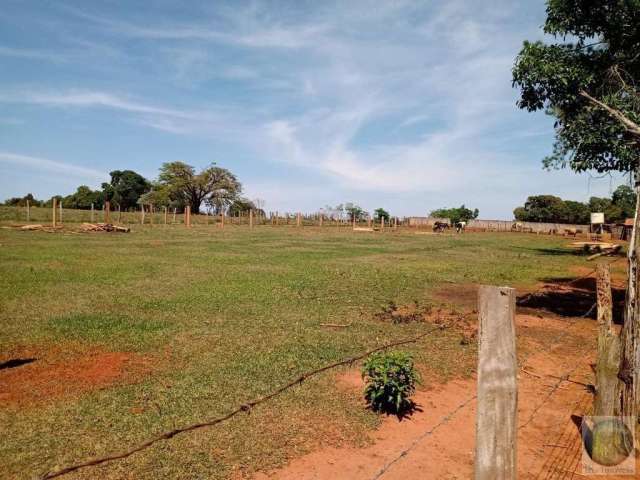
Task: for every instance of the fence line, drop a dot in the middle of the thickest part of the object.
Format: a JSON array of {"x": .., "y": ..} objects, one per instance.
[
  {"x": 149, "y": 215},
  {"x": 245, "y": 407}
]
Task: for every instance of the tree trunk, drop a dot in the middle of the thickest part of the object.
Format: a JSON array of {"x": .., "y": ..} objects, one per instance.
[{"x": 629, "y": 360}]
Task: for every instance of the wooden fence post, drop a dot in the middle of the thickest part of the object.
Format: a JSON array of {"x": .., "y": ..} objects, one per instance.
[
  {"x": 496, "y": 426},
  {"x": 187, "y": 216},
  {"x": 53, "y": 221},
  {"x": 222, "y": 219},
  {"x": 607, "y": 363},
  {"x": 165, "y": 215},
  {"x": 107, "y": 208},
  {"x": 321, "y": 219},
  {"x": 395, "y": 223},
  {"x": 92, "y": 213},
  {"x": 60, "y": 212},
  {"x": 298, "y": 219},
  {"x": 381, "y": 223},
  {"x": 28, "y": 212},
  {"x": 142, "y": 214},
  {"x": 251, "y": 218},
  {"x": 119, "y": 213},
  {"x": 175, "y": 209}
]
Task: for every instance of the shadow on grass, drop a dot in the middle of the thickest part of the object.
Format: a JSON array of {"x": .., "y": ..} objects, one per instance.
[
  {"x": 406, "y": 412},
  {"x": 575, "y": 300},
  {"x": 16, "y": 362}
]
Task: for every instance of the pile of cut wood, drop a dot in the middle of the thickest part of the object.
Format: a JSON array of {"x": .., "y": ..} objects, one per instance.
[
  {"x": 103, "y": 227},
  {"x": 43, "y": 228},
  {"x": 598, "y": 249}
]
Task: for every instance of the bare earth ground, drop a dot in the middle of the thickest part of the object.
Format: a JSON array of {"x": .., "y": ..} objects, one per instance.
[{"x": 437, "y": 441}]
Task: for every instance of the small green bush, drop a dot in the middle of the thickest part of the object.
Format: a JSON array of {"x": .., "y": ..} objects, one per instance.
[{"x": 391, "y": 379}]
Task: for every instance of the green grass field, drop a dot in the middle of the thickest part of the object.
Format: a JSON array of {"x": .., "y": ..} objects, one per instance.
[{"x": 214, "y": 318}]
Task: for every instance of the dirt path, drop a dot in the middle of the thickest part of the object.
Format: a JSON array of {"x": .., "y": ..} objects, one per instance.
[{"x": 438, "y": 441}]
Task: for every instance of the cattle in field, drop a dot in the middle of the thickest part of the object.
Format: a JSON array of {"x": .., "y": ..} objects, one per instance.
[
  {"x": 460, "y": 226},
  {"x": 440, "y": 227}
]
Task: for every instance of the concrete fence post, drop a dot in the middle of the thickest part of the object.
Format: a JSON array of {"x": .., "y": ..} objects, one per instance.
[
  {"x": 107, "y": 212},
  {"x": 496, "y": 427},
  {"x": 53, "y": 220}
]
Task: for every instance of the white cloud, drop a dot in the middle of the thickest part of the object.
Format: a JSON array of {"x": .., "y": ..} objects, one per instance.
[{"x": 53, "y": 166}]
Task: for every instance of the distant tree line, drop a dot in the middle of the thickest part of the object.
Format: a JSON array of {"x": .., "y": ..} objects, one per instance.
[
  {"x": 460, "y": 214},
  {"x": 177, "y": 186},
  {"x": 353, "y": 211},
  {"x": 552, "y": 209}
]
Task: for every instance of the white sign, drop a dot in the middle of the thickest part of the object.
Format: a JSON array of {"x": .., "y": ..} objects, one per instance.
[{"x": 597, "y": 218}]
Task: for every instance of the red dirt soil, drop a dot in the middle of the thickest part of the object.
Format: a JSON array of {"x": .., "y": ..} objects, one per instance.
[
  {"x": 437, "y": 441},
  {"x": 54, "y": 374}
]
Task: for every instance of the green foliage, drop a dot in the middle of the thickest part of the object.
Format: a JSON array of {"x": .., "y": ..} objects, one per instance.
[
  {"x": 22, "y": 201},
  {"x": 355, "y": 211},
  {"x": 216, "y": 186},
  {"x": 242, "y": 205},
  {"x": 625, "y": 198},
  {"x": 602, "y": 61},
  {"x": 83, "y": 198},
  {"x": 125, "y": 188},
  {"x": 552, "y": 209},
  {"x": 379, "y": 213},
  {"x": 461, "y": 214},
  {"x": 391, "y": 379},
  {"x": 158, "y": 196}
]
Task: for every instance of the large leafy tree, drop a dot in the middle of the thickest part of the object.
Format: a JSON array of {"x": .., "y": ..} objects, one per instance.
[
  {"x": 380, "y": 213},
  {"x": 588, "y": 83},
  {"x": 587, "y": 79},
  {"x": 625, "y": 198},
  {"x": 355, "y": 211},
  {"x": 460, "y": 214},
  {"x": 125, "y": 188},
  {"x": 83, "y": 198},
  {"x": 216, "y": 186}
]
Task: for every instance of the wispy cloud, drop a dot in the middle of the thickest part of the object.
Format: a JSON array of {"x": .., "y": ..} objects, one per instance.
[
  {"x": 32, "y": 54},
  {"x": 370, "y": 97},
  {"x": 60, "y": 168}
]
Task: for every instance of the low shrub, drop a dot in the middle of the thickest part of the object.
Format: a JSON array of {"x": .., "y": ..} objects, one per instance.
[{"x": 391, "y": 379}]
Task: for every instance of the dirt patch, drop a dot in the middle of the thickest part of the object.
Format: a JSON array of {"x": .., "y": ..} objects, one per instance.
[
  {"x": 462, "y": 296},
  {"x": 53, "y": 373}
]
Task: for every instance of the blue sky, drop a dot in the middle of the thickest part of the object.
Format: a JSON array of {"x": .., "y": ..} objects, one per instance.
[{"x": 404, "y": 105}]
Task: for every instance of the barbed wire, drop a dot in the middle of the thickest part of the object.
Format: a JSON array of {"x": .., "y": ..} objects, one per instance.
[{"x": 245, "y": 407}]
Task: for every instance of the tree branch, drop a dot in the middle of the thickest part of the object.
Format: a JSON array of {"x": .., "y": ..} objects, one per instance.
[{"x": 630, "y": 125}]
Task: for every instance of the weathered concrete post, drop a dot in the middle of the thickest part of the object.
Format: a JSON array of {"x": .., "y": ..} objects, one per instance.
[
  {"x": 53, "y": 220},
  {"x": 496, "y": 427},
  {"x": 28, "y": 212},
  {"x": 107, "y": 212}
]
